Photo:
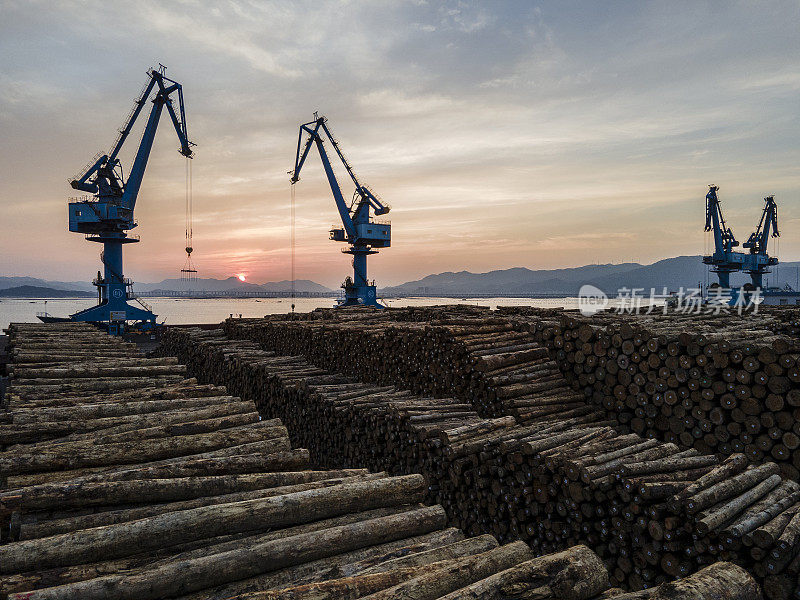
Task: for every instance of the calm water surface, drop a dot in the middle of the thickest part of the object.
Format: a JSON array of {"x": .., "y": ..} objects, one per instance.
[{"x": 181, "y": 311}]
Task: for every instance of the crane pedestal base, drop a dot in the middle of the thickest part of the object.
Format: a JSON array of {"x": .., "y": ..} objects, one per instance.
[
  {"x": 114, "y": 315},
  {"x": 364, "y": 295}
]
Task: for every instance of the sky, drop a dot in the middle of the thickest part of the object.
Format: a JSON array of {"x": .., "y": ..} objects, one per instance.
[{"x": 502, "y": 134}]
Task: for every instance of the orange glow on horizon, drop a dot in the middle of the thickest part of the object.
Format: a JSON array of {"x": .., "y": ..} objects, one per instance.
[{"x": 241, "y": 277}]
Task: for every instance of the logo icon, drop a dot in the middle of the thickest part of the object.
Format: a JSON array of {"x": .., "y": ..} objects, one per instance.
[{"x": 591, "y": 299}]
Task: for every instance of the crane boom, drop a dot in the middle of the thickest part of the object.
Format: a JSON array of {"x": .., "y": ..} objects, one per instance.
[
  {"x": 104, "y": 177},
  {"x": 137, "y": 108},
  {"x": 724, "y": 241},
  {"x": 767, "y": 227},
  {"x": 315, "y": 137}
]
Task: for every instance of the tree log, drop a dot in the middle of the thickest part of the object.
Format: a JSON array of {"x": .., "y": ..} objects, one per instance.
[
  {"x": 182, "y": 576},
  {"x": 457, "y": 574},
  {"x": 720, "y": 581},
  {"x": 162, "y": 530},
  {"x": 574, "y": 574}
]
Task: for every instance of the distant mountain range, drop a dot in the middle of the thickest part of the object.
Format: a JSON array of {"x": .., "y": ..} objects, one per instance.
[
  {"x": 169, "y": 285},
  {"x": 231, "y": 284},
  {"x": 670, "y": 273},
  {"x": 37, "y": 291},
  {"x": 78, "y": 286}
]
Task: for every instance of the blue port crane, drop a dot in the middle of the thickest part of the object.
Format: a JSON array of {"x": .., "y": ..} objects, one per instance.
[
  {"x": 108, "y": 215},
  {"x": 359, "y": 231},
  {"x": 725, "y": 260},
  {"x": 757, "y": 262}
]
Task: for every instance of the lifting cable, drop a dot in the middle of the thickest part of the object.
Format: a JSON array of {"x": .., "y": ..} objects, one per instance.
[
  {"x": 706, "y": 252},
  {"x": 188, "y": 272},
  {"x": 292, "y": 242},
  {"x": 188, "y": 203}
]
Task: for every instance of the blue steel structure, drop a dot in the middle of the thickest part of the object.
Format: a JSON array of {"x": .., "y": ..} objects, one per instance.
[
  {"x": 757, "y": 262},
  {"x": 109, "y": 214},
  {"x": 359, "y": 231},
  {"x": 725, "y": 260}
]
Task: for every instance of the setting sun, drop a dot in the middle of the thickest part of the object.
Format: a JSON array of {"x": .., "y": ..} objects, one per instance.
[{"x": 241, "y": 277}]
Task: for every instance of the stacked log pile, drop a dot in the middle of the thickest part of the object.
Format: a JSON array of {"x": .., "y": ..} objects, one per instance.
[
  {"x": 122, "y": 479},
  {"x": 626, "y": 497},
  {"x": 472, "y": 356},
  {"x": 784, "y": 320},
  {"x": 721, "y": 384},
  {"x": 321, "y": 408},
  {"x": 553, "y": 482}
]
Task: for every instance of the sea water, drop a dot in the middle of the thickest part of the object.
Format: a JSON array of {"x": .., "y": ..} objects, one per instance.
[{"x": 183, "y": 311}]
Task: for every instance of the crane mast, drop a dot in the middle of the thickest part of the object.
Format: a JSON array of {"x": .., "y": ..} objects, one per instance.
[
  {"x": 108, "y": 215},
  {"x": 359, "y": 231}
]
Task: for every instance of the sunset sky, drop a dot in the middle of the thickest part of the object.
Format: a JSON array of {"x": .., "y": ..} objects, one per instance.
[{"x": 503, "y": 134}]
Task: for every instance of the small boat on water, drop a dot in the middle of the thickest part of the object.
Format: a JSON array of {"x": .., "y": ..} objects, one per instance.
[{"x": 48, "y": 318}]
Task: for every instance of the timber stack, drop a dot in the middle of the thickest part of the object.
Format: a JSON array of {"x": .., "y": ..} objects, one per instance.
[
  {"x": 123, "y": 479},
  {"x": 465, "y": 354},
  {"x": 784, "y": 320},
  {"x": 718, "y": 383},
  {"x": 554, "y": 482}
]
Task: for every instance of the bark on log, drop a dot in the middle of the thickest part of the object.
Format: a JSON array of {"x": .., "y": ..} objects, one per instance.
[
  {"x": 340, "y": 565},
  {"x": 63, "y": 575},
  {"x": 54, "y": 526},
  {"x": 62, "y": 457},
  {"x": 157, "y": 532},
  {"x": 720, "y": 581},
  {"x": 107, "y": 493},
  {"x": 574, "y": 574},
  {"x": 457, "y": 574},
  {"x": 184, "y": 576},
  {"x": 730, "y": 487},
  {"x": 731, "y": 509},
  {"x": 468, "y": 547}
]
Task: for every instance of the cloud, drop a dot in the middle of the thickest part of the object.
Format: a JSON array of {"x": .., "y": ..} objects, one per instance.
[
  {"x": 222, "y": 28},
  {"x": 500, "y": 133},
  {"x": 584, "y": 240}
]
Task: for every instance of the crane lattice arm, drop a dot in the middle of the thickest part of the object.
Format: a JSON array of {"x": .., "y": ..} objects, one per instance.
[
  {"x": 104, "y": 176},
  {"x": 757, "y": 242},
  {"x": 724, "y": 241},
  {"x": 314, "y": 130}
]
